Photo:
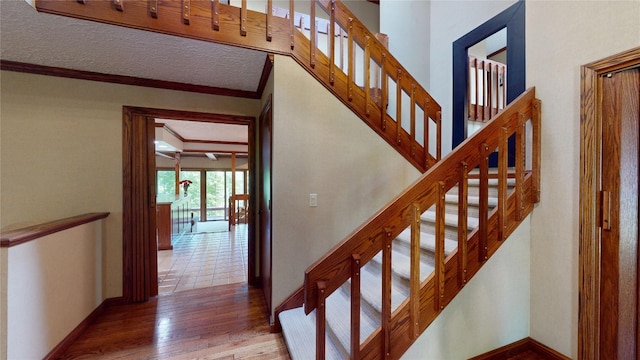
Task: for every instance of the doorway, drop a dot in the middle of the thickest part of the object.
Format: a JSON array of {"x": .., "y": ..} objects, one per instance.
[
  {"x": 140, "y": 273},
  {"x": 608, "y": 263},
  {"x": 511, "y": 20}
]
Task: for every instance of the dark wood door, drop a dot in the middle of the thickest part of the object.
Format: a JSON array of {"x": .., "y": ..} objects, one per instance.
[
  {"x": 619, "y": 239},
  {"x": 265, "y": 137}
]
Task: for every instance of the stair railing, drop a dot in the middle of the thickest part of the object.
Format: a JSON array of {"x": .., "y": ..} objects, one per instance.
[
  {"x": 400, "y": 109},
  {"x": 521, "y": 119},
  {"x": 366, "y": 78}
]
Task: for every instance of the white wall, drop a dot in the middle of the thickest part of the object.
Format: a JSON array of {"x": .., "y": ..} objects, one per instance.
[
  {"x": 61, "y": 146},
  {"x": 451, "y": 20},
  {"x": 55, "y": 282},
  {"x": 408, "y": 25},
  {"x": 491, "y": 310},
  {"x": 562, "y": 36},
  {"x": 321, "y": 147}
]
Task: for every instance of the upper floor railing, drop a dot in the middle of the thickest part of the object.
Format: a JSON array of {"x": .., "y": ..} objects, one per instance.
[{"x": 343, "y": 55}]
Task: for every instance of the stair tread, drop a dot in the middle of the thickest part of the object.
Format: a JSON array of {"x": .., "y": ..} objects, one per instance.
[
  {"x": 401, "y": 265},
  {"x": 339, "y": 319},
  {"x": 299, "y": 332},
  {"x": 449, "y": 219},
  {"x": 428, "y": 241},
  {"x": 471, "y": 200},
  {"x": 371, "y": 289}
]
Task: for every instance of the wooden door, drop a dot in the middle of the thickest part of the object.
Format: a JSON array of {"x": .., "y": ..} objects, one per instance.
[
  {"x": 265, "y": 138},
  {"x": 619, "y": 239},
  {"x": 140, "y": 270}
]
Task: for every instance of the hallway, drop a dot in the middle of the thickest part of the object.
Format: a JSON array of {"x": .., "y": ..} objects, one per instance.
[
  {"x": 204, "y": 259},
  {"x": 222, "y": 322}
]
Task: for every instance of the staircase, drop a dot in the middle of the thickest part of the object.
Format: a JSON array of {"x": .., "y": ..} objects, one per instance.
[
  {"x": 299, "y": 329},
  {"x": 376, "y": 291}
]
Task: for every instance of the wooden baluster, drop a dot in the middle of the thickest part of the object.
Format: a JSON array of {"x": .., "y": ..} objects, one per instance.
[
  {"x": 521, "y": 147},
  {"x": 487, "y": 90},
  {"x": 472, "y": 107},
  {"x": 427, "y": 123},
  {"x": 313, "y": 36},
  {"x": 413, "y": 120},
  {"x": 342, "y": 34},
  {"x": 398, "y": 106},
  {"x": 478, "y": 87},
  {"x": 439, "y": 135},
  {"x": 386, "y": 295},
  {"x": 463, "y": 190},
  {"x": 367, "y": 74},
  {"x": 118, "y": 5},
  {"x": 503, "y": 165},
  {"x": 536, "y": 148},
  {"x": 153, "y": 8},
  {"x": 384, "y": 93},
  {"x": 321, "y": 315},
  {"x": 243, "y": 18},
  {"x": 438, "y": 300},
  {"x": 269, "y": 20},
  {"x": 350, "y": 61},
  {"x": 355, "y": 306},
  {"x": 331, "y": 35},
  {"x": 483, "y": 250},
  {"x": 215, "y": 12},
  {"x": 186, "y": 11},
  {"x": 495, "y": 90},
  {"x": 414, "y": 280},
  {"x": 292, "y": 26}
]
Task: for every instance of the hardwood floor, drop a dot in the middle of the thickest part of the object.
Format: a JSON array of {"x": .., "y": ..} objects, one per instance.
[{"x": 222, "y": 322}]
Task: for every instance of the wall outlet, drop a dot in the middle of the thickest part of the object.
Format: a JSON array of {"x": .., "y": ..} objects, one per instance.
[{"x": 313, "y": 200}]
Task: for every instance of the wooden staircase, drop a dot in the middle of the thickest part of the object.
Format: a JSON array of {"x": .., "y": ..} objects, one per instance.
[
  {"x": 393, "y": 275},
  {"x": 299, "y": 329},
  {"x": 400, "y": 269}
]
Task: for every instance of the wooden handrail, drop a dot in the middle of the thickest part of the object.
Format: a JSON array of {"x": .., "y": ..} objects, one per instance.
[
  {"x": 274, "y": 33},
  {"x": 25, "y": 234},
  {"x": 375, "y": 235}
]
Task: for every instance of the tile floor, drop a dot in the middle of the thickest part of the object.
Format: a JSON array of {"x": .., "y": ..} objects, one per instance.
[{"x": 204, "y": 259}]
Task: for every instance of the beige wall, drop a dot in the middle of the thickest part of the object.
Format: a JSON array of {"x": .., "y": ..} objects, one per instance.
[
  {"x": 561, "y": 36},
  {"x": 61, "y": 146},
  {"x": 55, "y": 282},
  {"x": 321, "y": 147}
]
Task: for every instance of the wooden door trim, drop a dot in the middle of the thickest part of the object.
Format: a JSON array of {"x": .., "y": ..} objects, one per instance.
[
  {"x": 589, "y": 245},
  {"x": 138, "y": 254}
]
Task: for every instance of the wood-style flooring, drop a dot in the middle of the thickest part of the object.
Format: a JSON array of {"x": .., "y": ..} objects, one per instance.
[{"x": 223, "y": 322}]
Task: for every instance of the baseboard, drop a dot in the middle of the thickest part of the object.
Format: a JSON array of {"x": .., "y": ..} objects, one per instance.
[
  {"x": 62, "y": 346},
  {"x": 519, "y": 347}
]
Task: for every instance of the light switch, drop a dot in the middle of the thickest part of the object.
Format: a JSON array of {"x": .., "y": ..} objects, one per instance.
[{"x": 313, "y": 200}]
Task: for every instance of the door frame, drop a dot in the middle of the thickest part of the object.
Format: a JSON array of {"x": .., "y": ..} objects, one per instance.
[
  {"x": 513, "y": 19},
  {"x": 263, "y": 229},
  {"x": 138, "y": 165},
  {"x": 590, "y": 174}
]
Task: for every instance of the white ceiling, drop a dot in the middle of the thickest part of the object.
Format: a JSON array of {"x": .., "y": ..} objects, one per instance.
[{"x": 27, "y": 36}]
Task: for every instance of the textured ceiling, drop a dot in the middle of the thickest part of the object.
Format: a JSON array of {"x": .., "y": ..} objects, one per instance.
[
  {"x": 36, "y": 38},
  {"x": 30, "y": 37}
]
